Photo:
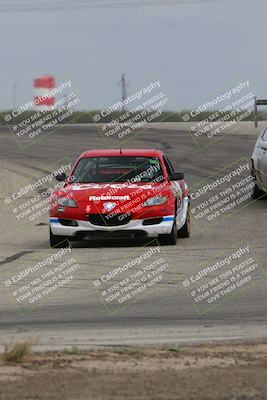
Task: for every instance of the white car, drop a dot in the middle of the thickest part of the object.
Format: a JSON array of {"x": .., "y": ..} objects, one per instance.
[{"x": 259, "y": 165}]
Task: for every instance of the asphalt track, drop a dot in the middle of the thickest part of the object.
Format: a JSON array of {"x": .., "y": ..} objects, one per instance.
[{"x": 166, "y": 315}]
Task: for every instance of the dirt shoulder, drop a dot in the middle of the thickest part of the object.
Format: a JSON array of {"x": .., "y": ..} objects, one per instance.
[{"x": 210, "y": 371}]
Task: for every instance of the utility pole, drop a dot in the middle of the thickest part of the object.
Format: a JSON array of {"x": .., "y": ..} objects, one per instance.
[
  {"x": 14, "y": 100},
  {"x": 14, "y": 95},
  {"x": 123, "y": 89}
]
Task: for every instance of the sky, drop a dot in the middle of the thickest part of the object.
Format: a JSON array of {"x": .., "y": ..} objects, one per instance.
[{"x": 194, "y": 48}]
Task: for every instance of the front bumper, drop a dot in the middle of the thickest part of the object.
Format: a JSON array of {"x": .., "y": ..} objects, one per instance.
[
  {"x": 85, "y": 227},
  {"x": 134, "y": 225}
]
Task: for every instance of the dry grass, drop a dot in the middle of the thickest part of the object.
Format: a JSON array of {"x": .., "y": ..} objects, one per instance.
[{"x": 14, "y": 352}]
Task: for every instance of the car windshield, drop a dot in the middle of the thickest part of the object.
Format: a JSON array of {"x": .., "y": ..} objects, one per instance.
[{"x": 131, "y": 169}]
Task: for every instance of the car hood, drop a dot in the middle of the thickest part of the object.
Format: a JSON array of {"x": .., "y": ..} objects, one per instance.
[
  {"x": 113, "y": 191},
  {"x": 93, "y": 196},
  {"x": 113, "y": 198}
]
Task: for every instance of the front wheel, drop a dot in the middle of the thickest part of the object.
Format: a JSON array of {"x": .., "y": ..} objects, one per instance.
[
  {"x": 170, "y": 239},
  {"x": 57, "y": 241},
  {"x": 184, "y": 232},
  {"x": 257, "y": 192}
]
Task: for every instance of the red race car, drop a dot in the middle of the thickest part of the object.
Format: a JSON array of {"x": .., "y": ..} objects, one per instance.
[{"x": 120, "y": 193}]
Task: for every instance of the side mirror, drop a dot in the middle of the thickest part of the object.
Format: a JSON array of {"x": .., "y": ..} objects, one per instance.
[
  {"x": 61, "y": 177},
  {"x": 264, "y": 145},
  {"x": 177, "y": 176}
]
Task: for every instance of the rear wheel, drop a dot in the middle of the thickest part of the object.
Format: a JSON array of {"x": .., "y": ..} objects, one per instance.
[
  {"x": 170, "y": 239},
  {"x": 184, "y": 232},
  {"x": 57, "y": 241}
]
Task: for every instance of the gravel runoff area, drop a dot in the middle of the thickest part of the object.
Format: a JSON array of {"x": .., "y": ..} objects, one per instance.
[{"x": 209, "y": 371}]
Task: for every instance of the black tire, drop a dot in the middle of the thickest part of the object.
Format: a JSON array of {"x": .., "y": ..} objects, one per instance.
[
  {"x": 257, "y": 192},
  {"x": 170, "y": 239},
  {"x": 57, "y": 241},
  {"x": 184, "y": 232}
]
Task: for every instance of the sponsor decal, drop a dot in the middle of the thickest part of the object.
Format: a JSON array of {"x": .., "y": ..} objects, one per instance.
[
  {"x": 109, "y": 206},
  {"x": 103, "y": 198}
]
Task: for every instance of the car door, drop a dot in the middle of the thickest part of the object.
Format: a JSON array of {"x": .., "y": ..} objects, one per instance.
[{"x": 262, "y": 159}]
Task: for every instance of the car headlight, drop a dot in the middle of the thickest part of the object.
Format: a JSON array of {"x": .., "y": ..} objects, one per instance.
[
  {"x": 65, "y": 202},
  {"x": 155, "y": 201}
]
